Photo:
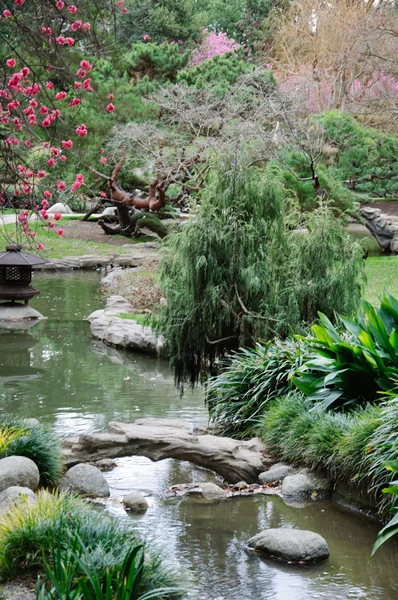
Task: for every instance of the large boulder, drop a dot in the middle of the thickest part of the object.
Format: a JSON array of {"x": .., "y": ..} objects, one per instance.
[
  {"x": 18, "y": 471},
  {"x": 63, "y": 209},
  {"x": 305, "y": 485},
  {"x": 135, "y": 502},
  {"x": 15, "y": 495},
  {"x": 382, "y": 226},
  {"x": 290, "y": 545},
  {"x": 85, "y": 480},
  {"x": 277, "y": 473}
]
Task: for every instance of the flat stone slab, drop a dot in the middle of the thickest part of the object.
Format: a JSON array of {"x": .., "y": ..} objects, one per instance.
[
  {"x": 234, "y": 460},
  {"x": 18, "y": 312},
  {"x": 135, "y": 258},
  {"x": 107, "y": 326},
  {"x": 290, "y": 545}
]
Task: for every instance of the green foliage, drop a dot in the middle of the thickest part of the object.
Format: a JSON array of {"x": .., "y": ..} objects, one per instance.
[
  {"x": 157, "y": 61},
  {"x": 121, "y": 583},
  {"x": 363, "y": 155},
  {"x": 320, "y": 270},
  {"x": 217, "y": 262},
  {"x": 382, "y": 446},
  {"x": 217, "y": 73},
  {"x": 162, "y": 20},
  {"x": 150, "y": 221},
  {"x": 250, "y": 379},
  {"x": 237, "y": 273},
  {"x": 391, "y": 528},
  {"x": 29, "y": 535},
  {"x": 37, "y": 442},
  {"x": 352, "y": 365}
]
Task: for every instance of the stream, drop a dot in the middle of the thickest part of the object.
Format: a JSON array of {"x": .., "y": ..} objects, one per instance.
[{"x": 57, "y": 373}]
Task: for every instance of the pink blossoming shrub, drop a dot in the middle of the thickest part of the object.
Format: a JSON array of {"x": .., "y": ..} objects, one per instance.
[{"x": 212, "y": 45}]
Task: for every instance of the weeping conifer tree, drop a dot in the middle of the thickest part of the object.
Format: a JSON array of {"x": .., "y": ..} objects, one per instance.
[
  {"x": 215, "y": 272},
  {"x": 238, "y": 273}
]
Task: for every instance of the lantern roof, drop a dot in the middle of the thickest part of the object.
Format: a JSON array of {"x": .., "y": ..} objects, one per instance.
[{"x": 13, "y": 256}]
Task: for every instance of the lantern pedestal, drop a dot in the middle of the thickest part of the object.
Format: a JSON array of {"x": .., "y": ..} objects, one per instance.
[{"x": 17, "y": 315}]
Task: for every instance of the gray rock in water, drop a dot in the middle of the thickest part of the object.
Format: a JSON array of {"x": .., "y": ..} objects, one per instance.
[
  {"x": 15, "y": 495},
  {"x": 211, "y": 491},
  {"x": 85, "y": 480},
  {"x": 305, "y": 485},
  {"x": 31, "y": 422},
  {"x": 275, "y": 474},
  {"x": 18, "y": 471},
  {"x": 60, "y": 208},
  {"x": 290, "y": 545},
  {"x": 135, "y": 501}
]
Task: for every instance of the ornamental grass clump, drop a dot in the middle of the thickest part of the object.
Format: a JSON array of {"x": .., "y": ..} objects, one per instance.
[
  {"x": 30, "y": 534},
  {"x": 238, "y": 397},
  {"x": 37, "y": 442}
]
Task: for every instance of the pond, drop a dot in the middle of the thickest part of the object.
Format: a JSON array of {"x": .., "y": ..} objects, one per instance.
[{"x": 57, "y": 373}]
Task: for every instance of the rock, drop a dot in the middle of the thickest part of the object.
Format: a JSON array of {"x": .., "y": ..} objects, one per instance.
[
  {"x": 156, "y": 440},
  {"x": 18, "y": 312},
  {"x": 64, "y": 209},
  {"x": 126, "y": 333},
  {"x": 18, "y": 471},
  {"x": 14, "y": 495},
  {"x": 85, "y": 480},
  {"x": 135, "y": 502},
  {"x": 275, "y": 474},
  {"x": 31, "y": 422},
  {"x": 305, "y": 485},
  {"x": 211, "y": 491},
  {"x": 382, "y": 226},
  {"x": 110, "y": 211},
  {"x": 105, "y": 464},
  {"x": 290, "y": 545},
  {"x": 136, "y": 257},
  {"x": 112, "y": 279}
]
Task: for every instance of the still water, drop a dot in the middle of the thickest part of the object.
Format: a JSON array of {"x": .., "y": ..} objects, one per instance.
[{"x": 57, "y": 373}]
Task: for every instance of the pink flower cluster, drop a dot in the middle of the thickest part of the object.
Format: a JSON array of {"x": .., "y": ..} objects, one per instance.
[{"x": 212, "y": 45}]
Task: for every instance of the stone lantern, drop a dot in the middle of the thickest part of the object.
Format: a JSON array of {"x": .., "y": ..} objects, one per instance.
[{"x": 16, "y": 274}]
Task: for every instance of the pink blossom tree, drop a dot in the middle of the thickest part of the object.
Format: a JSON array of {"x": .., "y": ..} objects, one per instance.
[{"x": 213, "y": 44}]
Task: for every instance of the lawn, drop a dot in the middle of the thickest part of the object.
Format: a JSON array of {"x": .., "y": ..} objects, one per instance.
[
  {"x": 382, "y": 274},
  {"x": 59, "y": 247}
]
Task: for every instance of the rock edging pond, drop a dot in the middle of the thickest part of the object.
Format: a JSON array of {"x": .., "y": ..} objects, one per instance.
[{"x": 108, "y": 326}]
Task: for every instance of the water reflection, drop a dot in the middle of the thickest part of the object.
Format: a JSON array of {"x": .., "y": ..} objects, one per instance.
[{"x": 207, "y": 540}]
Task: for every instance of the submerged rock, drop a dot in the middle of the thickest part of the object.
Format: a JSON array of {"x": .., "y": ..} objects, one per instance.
[
  {"x": 305, "y": 485},
  {"x": 211, "y": 491},
  {"x": 290, "y": 545},
  {"x": 135, "y": 502},
  {"x": 85, "y": 480},
  {"x": 18, "y": 471}
]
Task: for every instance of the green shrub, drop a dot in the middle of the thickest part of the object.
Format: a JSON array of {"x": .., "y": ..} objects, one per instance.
[
  {"x": 30, "y": 533},
  {"x": 157, "y": 61},
  {"x": 239, "y": 395},
  {"x": 39, "y": 443},
  {"x": 391, "y": 528},
  {"x": 218, "y": 72}
]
